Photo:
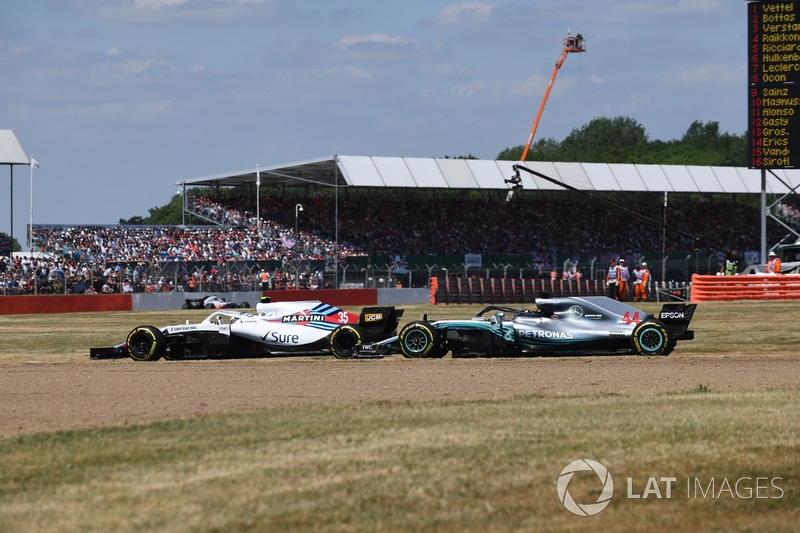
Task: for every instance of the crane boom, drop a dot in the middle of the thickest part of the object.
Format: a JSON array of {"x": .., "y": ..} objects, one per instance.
[
  {"x": 571, "y": 45},
  {"x": 515, "y": 179}
]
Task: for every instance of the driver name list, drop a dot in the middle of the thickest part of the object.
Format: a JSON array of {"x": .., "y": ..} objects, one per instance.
[{"x": 774, "y": 84}]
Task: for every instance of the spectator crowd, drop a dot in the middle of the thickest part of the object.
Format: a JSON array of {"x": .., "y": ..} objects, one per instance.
[
  {"x": 386, "y": 224},
  {"x": 429, "y": 222}
]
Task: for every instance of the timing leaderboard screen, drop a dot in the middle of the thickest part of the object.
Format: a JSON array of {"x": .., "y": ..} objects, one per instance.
[{"x": 774, "y": 84}]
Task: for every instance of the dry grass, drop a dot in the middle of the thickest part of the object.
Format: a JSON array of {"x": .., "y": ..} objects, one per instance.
[
  {"x": 725, "y": 329},
  {"x": 489, "y": 465},
  {"x": 433, "y": 466}
]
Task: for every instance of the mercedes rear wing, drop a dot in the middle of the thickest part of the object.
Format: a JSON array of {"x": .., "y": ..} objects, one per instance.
[{"x": 677, "y": 318}]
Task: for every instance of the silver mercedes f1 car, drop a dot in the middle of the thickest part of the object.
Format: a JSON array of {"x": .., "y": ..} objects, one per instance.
[{"x": 594, "y": 325}]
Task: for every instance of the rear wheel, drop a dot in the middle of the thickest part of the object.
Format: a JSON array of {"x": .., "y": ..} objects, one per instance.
[
  {"x": 652, "y": 337},
  {"x": 420, "y": 339},
  {"x": 344, "y": 341},
  {"x": 146, "y": 343}
]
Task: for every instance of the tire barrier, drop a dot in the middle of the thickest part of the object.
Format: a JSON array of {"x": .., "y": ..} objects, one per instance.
[
  {"x": 458, "y": 290},
  {"x": 745, "y": 287},
  {"x": 434, "y": 289},
  {"x": 82, "y": 303}
]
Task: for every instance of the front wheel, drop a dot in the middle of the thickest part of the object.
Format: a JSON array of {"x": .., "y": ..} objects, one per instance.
[
  {"x": 146, "y": 343},
  {"x": 344, "y": 341},
  {"x": 652, "y": 337},
  {"x": 420, "y": 339}
]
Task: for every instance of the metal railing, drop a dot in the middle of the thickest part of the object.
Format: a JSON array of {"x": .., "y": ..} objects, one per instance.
[{"x": 354, "y": 272}]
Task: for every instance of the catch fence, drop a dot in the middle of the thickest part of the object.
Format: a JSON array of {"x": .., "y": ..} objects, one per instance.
[
  {"x": 457, "y": 290},
  {"x": 516, "y": 276}
]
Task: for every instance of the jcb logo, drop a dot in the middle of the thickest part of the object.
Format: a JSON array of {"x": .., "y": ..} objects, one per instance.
[{"x": 374, "y": 317}]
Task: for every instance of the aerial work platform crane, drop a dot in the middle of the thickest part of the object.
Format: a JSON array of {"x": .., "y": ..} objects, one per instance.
[{"x": 571, "y": 45}]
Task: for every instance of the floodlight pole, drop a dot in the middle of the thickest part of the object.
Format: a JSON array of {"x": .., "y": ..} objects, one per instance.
[
  {"x": 664, "y": 238},
  {"x": 336, "y": 223},
  {"x": 30, "y": 223},
  {"x": 11, "y": 233},
  {"x": 297, "y": 209}
]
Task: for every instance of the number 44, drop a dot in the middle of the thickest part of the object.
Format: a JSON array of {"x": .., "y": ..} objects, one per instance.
[{"x": 627, "y": 318}]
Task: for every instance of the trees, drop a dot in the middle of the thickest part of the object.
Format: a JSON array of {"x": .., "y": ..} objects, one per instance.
[
  {"x": 168, "y": 214},
  {"x": 624, "y": 140},
  {"x": 541, "y": 150},
  {"x": 606, "y": 140},
  {"x": 708, "y": 147}
]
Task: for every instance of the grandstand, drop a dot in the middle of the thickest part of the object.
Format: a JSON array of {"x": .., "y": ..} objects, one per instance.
[
  {"x": 410, "y": 175},
  {"x": 381, "y": 221}
]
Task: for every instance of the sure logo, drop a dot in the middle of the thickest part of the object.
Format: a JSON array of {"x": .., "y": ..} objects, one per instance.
[
  {"x": 280, "y": 338},
  {"x": 585, "y": 509}
]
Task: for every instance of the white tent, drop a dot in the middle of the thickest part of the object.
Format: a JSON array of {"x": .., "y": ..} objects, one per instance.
[
  {"x": 411, "y": 172},
  {"x": 11, "y": 153}
]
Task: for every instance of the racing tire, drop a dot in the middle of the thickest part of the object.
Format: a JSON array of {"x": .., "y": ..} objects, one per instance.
[
  {"x": 420, "y": 339},
  {"x": 146, "y": 343},
  {"x": 185, "y": 306},
  {"x": 245, "y": 305},
  {"x": 209, "y": 306},
  {"x": 652, "y": 337},
  {"x": 344, "y": 341}
]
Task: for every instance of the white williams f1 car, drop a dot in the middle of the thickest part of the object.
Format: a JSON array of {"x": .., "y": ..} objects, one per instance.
[{"x": 284, "y": 328}]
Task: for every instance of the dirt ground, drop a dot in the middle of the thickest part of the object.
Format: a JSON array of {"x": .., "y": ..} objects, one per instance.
[{"x": 40, "y": 396}]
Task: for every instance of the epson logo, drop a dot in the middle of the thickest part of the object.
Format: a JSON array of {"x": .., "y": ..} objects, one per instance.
[{"x": 673, "y": 314}]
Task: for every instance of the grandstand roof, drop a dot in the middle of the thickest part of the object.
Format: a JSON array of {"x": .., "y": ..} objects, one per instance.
[
  {"x": 405, "y": 172},
  {"x": 312, "y": 172},
  {"x": 11, "y": 152}
]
